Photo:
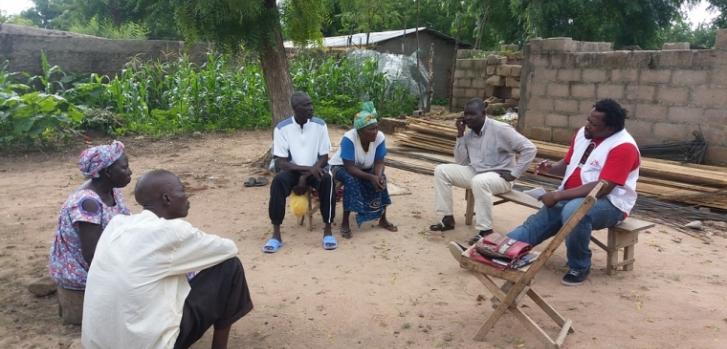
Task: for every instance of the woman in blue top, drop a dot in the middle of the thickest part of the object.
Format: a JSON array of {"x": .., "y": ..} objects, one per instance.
[{"x": 359, "y": 165}]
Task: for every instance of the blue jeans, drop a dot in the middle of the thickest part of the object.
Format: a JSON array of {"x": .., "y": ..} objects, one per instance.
[{"x": 548, "y": 220}]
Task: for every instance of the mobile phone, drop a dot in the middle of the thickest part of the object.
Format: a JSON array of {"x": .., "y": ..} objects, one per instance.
[{"x": 524, "y": 260}]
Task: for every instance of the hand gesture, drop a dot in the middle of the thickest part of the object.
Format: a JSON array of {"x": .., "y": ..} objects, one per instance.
[
  {"x": 543, "y": 167},
  {"x": 378, "y": 182},
  {"x": 316, "y": 172},
  {"x": 459, "y": 122}
]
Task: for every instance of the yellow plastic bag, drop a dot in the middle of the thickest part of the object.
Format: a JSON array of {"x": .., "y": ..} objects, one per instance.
[{"x": 299, "y": 204}]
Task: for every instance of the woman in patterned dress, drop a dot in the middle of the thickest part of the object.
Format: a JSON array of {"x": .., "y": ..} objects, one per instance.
[
  {"x": 86, "y": 212},
  {"x": 359, "y": 165}
]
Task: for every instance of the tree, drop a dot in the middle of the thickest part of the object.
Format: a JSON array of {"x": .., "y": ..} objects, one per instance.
[
  {"x": 157, "y": 16},
  {"x": 365, "y": 16},
  {"x": 44, "y": 12},
  {"x": 721, "y": 6},
  {"x": 624, "y": 22},
  {"x": 256, "y": 25},
  {"x": 702, "y": 36}
]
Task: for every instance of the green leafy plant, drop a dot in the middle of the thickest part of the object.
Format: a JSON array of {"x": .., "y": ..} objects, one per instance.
[
  {"x": 37, "y": 119},
  {"x": 179, "y": 96},
  {"x": 337, "y": 86},
  {"x": 49, "y": 80},
  {"x": 105, "y": 29}
]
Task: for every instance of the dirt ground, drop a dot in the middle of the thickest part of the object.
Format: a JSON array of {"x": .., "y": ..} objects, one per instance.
[{"x": 377, "y": 290}]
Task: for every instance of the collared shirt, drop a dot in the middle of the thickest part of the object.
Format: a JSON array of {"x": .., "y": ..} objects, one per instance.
[
  {"x": 137, "y": 285},
  {"x": 498, "y": 147},
  {"x": 301, "y": 145}
]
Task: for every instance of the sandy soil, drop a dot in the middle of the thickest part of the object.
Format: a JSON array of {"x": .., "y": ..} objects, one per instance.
[{"x": 379, "y": 289}]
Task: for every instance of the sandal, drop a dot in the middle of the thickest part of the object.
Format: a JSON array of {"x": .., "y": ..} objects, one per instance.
[
  {"x": 329, "y": 242},
  {"x": 440, "y": 227},
  {"x": 250, "y": 182},
  {"x": 346, "y": 233},
  {"x": 391, "y": 227},
  {"x": 272, "y": 246}
]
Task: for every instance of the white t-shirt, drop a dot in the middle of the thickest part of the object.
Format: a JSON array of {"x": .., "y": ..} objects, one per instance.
[
  {"x": 352, "y": 150},
  {"x": 137, "y": 286},
  {"x": 301, "y": 145}
]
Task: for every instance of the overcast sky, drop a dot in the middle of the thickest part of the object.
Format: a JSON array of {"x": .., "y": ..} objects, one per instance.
[{"x": 697, "y": 14}]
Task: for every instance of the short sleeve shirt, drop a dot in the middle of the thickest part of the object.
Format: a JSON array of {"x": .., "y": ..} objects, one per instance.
[
  {"x": 301, "y": 145},
  {"x": 66, "y": 265},
  {"x": 352, "y": 150}
]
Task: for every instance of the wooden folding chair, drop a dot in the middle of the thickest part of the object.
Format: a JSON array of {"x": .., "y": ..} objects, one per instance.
[{"x": 520, "y": 281}]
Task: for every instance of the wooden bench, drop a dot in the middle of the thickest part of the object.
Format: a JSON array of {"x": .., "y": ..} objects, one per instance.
[{"x": 623, "y": 236}]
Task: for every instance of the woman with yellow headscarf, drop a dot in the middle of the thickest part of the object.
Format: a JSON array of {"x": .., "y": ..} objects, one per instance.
[{"x": 359, "y": 165}]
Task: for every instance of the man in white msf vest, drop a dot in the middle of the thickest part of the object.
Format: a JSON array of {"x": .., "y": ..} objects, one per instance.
[{"x": 601, "y": 150}]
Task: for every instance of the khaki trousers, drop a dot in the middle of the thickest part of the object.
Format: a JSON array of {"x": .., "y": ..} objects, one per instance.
[{"x": 483, "y": 186}]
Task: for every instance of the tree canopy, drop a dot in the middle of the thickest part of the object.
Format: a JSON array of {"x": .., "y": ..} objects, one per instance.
[{"x": 483, "y": 23}]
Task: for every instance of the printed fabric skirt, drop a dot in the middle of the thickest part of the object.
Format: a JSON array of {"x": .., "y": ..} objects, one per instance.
[{"x": 361, "y": 197}]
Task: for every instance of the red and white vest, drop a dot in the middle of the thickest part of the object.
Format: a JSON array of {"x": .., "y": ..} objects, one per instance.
[{"x": 623, "y": 197}]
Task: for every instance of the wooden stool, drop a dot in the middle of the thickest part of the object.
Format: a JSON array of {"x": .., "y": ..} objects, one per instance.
[
  {"x": 624, "y": 236},
  {"x": 309, "y": 214},
  {"x": 70, "y": 305},
  {"x": 312, "y": 207}
]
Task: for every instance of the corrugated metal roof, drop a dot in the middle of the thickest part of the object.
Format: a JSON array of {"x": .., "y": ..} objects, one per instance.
[{"x": 359, "y": 39}]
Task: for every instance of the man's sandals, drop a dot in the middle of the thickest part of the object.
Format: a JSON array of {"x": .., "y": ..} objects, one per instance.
[{"x": 272, "y": 246}]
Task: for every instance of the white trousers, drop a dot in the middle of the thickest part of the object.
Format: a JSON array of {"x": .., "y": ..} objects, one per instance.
[{"x": 483, "y": 186}]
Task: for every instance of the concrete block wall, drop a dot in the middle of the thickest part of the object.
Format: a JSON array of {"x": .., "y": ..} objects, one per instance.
[
  {"x": 668, "y": 94},
  {"x": 485, "y": 77},
  {"x": 80, "y": 54}
]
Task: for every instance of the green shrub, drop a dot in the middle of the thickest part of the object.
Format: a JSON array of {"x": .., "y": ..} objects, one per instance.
[
  {"x": 179, "y": 96},
  {"x": 337, "y": 86},
  {"x": 37, "y": 119},
  {"x": 105, "y": 29}
]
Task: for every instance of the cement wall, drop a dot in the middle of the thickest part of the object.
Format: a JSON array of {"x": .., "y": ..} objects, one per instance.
[
  {"x": 78, "y": 54},
  {"x": 668, "y": 94},
  {"x": 492, "y": 76}
]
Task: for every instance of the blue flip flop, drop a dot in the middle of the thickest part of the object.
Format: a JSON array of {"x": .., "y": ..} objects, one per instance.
[
  {"x": 272, "y": 246},
  {"x": 329, "y": 242}
]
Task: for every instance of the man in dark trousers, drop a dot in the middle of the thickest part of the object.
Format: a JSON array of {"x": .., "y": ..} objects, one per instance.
[{"x": 300, "y": 148}]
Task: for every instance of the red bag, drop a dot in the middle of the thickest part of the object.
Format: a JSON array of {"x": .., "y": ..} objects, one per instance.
[
  {"x": 498, "y": 246},
  {"x": 496, "y": 263}
]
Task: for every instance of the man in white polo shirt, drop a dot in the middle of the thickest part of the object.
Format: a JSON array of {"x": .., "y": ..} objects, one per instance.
[{"x": 300, "y": 148}]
